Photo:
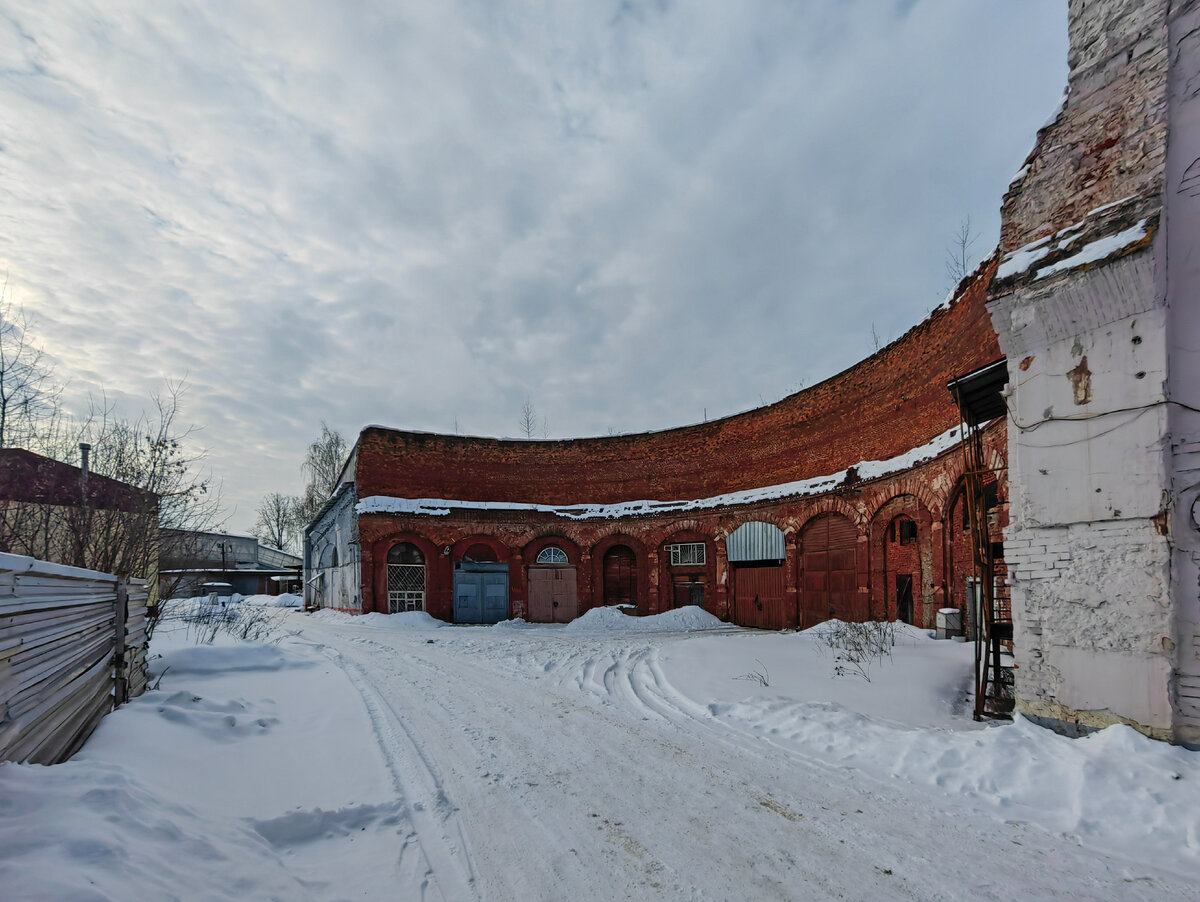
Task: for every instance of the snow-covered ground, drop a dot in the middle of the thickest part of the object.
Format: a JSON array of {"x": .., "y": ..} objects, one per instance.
[{"x": 613, "y": 758}]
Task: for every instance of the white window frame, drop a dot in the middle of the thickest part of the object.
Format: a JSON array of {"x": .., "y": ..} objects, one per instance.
[
  {"x": 687, "y": 554},
  {"x": 552, "y": 554}
]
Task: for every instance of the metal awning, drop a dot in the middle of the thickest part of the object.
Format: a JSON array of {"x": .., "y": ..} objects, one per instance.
[
  {"x": 755, "y": 541},
  {"x": 979, "y": 395}
]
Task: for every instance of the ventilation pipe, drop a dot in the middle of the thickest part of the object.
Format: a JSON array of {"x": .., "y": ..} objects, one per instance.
[{"x": 85, "y": 451}]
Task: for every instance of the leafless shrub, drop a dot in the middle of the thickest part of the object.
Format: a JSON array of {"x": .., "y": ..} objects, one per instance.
[
  {"x": 858, "y": 646},
  {"x": 759, "y": 675},
  {"x": 205, "y": 619}
]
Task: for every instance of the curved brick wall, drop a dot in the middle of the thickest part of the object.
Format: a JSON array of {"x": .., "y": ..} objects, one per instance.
[{"x": 890, "y": 403}]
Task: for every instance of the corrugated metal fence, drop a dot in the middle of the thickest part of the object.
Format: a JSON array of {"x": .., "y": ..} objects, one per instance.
[{"x": 72, "y": 646}]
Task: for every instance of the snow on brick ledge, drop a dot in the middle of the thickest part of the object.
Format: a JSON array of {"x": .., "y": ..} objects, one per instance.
[{"x": 865, "y": 470}]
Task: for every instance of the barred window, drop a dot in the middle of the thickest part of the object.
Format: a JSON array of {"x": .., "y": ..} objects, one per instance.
[{"x": 686, "y": 553}]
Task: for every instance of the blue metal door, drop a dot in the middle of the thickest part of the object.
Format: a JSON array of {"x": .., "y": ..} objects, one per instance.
[
  {"x": 467, "y": 608},
  {"x": 480, "y": 592}
]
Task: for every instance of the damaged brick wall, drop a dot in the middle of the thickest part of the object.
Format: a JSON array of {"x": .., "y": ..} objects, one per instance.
[
  {"x": 518, "y": 536},
  {"x": 1087, "y": 316},
  {"x": 886, "y": 405}
]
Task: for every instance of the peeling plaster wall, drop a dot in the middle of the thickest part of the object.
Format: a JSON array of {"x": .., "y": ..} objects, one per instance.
[
  {"x": 1183, "y": 356},
  {"x": 336, "y": 529},
  {"x": 1103, "y": 565}
]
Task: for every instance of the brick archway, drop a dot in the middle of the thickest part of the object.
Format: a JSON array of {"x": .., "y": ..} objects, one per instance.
[{"x": 829, "y": 563}]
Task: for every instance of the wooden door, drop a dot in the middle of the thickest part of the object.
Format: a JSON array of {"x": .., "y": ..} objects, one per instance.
[
  {"x": 758, "y": 597},
  {"x": 904, "y": 597},
  {"x": 553, "y": 596},
  {"x": 830, "y": 584},
  {"x": 620, "y": 576},
  {"x": 688, "y": 590}
]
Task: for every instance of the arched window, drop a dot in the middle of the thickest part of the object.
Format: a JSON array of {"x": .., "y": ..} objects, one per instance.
[
  {"x": 405, "y": 553},
  {"x": 552, "y": 554},
  {"x": 405, "y": 578},
  {"x": 480, "y": 553}
]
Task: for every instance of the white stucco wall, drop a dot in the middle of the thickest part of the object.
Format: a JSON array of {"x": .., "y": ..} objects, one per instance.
[
  {"x": 336, "y": 530},
  {"x": 1104, "y": 361}
]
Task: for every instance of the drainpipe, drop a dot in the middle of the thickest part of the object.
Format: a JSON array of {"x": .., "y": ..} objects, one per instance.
[{"x": 84, "y": 527}]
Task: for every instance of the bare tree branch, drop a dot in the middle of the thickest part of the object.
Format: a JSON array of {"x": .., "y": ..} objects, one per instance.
[
  {"x": 28, "y": 393},
  {"x": 276, "y": 523},
  {"x": 958, "y": 254},
  {"x": 529, "y": 419}
]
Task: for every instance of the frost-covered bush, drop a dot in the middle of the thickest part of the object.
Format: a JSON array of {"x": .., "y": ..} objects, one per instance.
[
  {"x": 205, "y": 618},
  {"x": 858, "y": 646}
]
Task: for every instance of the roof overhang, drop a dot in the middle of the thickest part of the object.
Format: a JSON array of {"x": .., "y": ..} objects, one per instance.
[{"x": 980, "y": 394}]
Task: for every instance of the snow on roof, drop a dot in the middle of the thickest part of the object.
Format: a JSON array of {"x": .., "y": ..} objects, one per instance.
[
  {"x": 1097, "y": 250},
  {"x": 868, "y": 469},
  {"x": 1023, "y": 259}
]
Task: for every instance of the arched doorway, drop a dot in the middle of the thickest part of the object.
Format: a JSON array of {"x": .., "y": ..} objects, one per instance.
[
  {"x": 620, "y": 576},
  {"x": 480, "y": 553},
  {"x": 553, "y": 596},
  {"x": 830, "y": 584},
  {"x": 901, "y": 567},
  {"x": 480, "y": 580},
  {"x": 405, "y": 578},
  {"x": 756, "y": 553}
]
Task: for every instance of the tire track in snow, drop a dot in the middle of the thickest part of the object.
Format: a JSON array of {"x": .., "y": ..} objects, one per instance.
[
  {"x": 608, "y": 680},
  {"x": 584, "y": 774},
  {"x": 439, "y": 844}
]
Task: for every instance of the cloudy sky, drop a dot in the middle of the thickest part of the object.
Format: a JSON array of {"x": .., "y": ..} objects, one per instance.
[{"x": 421, "y": 213}]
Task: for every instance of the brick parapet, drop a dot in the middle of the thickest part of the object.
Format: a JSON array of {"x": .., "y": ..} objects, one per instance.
[{"x": 884, "y": 406}]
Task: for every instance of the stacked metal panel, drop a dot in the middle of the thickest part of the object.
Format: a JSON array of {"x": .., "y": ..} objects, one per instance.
[{"x": 61, "y": 630}]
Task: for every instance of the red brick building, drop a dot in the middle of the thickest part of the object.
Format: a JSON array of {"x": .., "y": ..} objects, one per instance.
[{"x": 844, "y": 500}]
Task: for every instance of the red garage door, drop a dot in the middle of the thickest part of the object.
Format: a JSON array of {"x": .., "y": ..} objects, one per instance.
[
  {"x": 830, "y": 584},
  {"x": 758, "y": 597}
]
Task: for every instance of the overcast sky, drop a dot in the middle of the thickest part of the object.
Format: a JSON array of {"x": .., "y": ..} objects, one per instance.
[{"x": 417, "y": 214}]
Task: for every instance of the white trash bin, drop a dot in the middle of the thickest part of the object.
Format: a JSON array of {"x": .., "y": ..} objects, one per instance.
[{"x": 949, "y": 623}]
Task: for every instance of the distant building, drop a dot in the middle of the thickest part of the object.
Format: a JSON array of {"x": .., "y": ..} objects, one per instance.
[
  {"x": 196, "y": 563},
  {"x": 55, "y": 512},
  {"x": 844, "y": 500}
]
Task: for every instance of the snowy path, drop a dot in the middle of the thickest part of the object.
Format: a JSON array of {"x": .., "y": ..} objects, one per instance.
[{"x": 539, "y": 766}]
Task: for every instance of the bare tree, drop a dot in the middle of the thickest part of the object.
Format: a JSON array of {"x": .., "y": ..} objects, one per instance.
[
  {"x": 529, "y": 419},
  {"x": 28, "y": 393},
  {"x": 157, "y": 455},
  {"x": 323, "y": 462},
  {"x": 322, "y": 466},
  {"x": 958, "y": 254},
  {"x": 145, "y": 495},
  {"x": 276, "y": 523}
]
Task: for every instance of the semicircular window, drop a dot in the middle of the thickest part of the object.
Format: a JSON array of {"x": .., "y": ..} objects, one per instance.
[
  {"x": 552, "y": 554},
  {"x": 405, "y": 553}
]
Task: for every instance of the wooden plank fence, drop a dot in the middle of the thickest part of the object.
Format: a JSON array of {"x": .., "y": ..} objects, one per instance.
[{"x": 72, "y": 646}]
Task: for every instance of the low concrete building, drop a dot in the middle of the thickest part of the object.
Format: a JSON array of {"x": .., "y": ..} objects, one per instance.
[{"x": 196, "y": 563}]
